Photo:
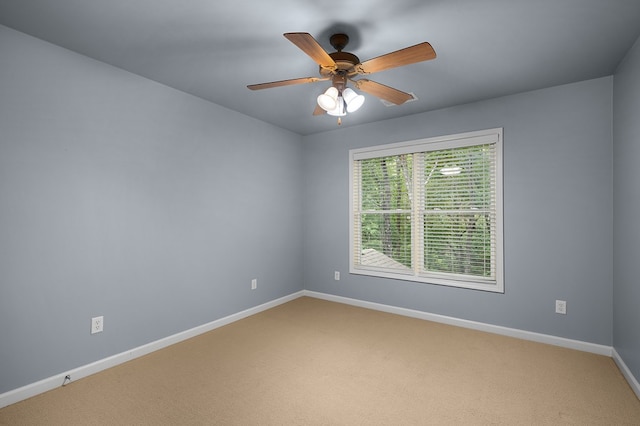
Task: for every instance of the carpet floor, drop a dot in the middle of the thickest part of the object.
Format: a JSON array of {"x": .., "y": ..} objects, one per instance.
[{"x": 314, "y": 362}]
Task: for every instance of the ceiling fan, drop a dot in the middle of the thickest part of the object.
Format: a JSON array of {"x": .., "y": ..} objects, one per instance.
[{"x": 340, "y": 67}]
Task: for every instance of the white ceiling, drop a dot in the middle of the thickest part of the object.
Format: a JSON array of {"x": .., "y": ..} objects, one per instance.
[{"x": 213, "y": 49}]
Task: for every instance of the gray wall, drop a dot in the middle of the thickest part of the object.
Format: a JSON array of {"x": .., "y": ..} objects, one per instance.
[
  {"x": 626, "y": 176},
  {"x": 558, "y": 211},
  {"x": 125, "y": 198}
]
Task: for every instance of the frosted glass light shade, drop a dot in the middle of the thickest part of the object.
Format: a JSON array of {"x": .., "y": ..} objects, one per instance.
[
  {"x": 328, "y": 100},
  {"x": 353, "y": 100},
  {"x": 339, "y": 110}
]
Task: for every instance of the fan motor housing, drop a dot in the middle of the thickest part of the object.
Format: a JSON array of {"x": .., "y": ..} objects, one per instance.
[{"x": 345, "y": 61}]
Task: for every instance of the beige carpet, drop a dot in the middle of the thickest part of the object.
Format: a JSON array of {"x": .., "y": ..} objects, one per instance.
[{"x": 313, "y": 362}]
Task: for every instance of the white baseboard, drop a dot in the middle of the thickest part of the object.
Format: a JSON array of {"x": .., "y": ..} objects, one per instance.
[
  {"x": 627, "y": 373},
  {"x": 53, "y": 382},
  {"x": 496, "y": 329}
]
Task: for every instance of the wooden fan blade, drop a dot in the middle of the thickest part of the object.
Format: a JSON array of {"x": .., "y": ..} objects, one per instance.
[
  {"x": 409, "y": 55},
  {"x": 383, "y": 92},
  {"x": 285, "y": 83},
  {"x": 318, "y": 110},
  {"x": 311, "y": 47}
]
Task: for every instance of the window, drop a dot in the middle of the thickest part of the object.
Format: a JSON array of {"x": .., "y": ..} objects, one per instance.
[{"x": 429, "y": 210}]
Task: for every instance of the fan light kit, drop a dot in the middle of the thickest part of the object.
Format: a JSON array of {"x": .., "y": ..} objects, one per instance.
[
  {"x": 340, "y": 67},
  {"x": 338, "y": 104}
]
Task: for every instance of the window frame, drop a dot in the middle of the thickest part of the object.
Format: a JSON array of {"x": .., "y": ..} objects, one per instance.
[{"x": 460, "y": 140}]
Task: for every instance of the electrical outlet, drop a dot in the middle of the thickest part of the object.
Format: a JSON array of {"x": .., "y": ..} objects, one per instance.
[
  {"x": 561, "y": 307},
  {"x": 97, "y": 324},
  {"x": 336, "y": 275},
  {"x": 254, "y": 284}
]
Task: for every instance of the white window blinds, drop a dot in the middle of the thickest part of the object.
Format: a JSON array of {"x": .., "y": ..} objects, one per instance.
[{"x": 430, "y": 210}]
